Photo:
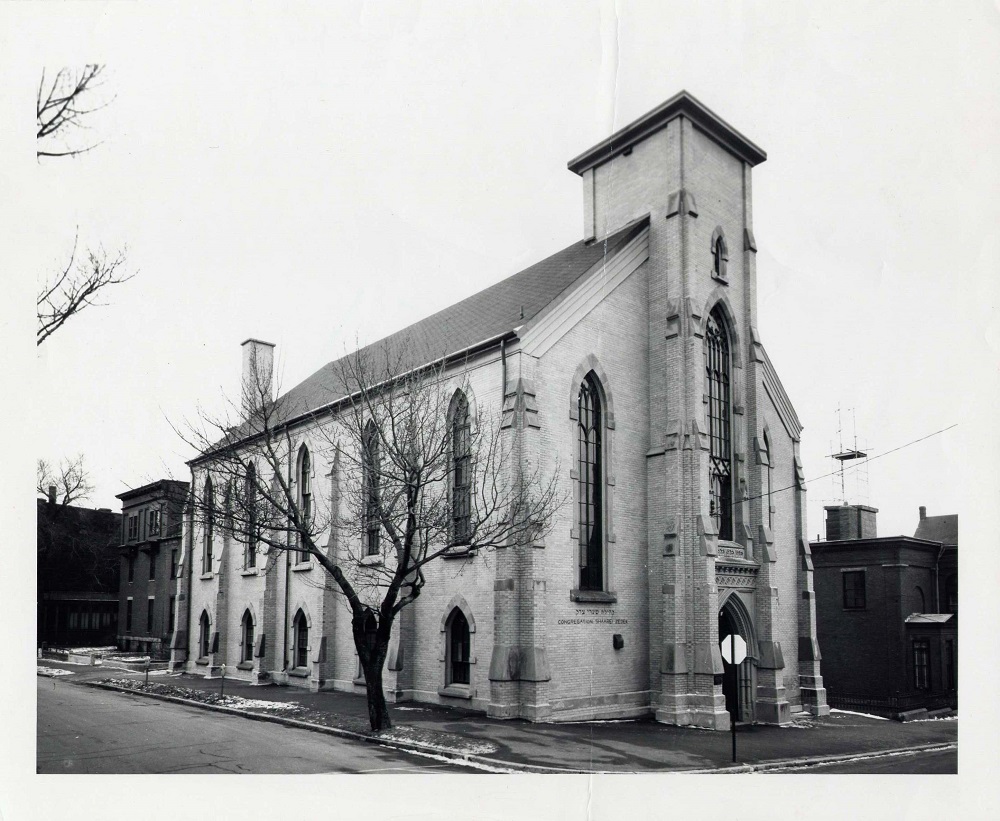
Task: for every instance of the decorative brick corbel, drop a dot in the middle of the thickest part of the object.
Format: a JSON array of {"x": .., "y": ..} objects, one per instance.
[
  {"x": 673, "y": 318},
  {"x": 681, "y": 201},
  {"x": 806, "y": 554}
]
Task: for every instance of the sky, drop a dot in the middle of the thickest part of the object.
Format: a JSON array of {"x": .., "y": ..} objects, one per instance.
[{"x": 317, "y": 176}]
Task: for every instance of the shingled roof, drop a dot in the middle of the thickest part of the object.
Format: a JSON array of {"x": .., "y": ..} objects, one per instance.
[
  {"x": 942, "y": 529},
  {"x": 514, "y": 302}
]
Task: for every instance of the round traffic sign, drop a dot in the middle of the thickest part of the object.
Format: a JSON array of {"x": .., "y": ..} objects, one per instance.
[{"x": 733, "y": 646}]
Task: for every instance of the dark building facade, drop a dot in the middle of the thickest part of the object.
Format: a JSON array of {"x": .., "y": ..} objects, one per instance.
[
  {"x": 77, "y": 589},
  {"x": 150, "y": 556},
  {"x": 887, "y": 614}
]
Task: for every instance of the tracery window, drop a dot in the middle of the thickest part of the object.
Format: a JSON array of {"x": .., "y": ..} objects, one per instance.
[
  {"x": 461, "y": 478},
  {"x": 590, "y": 468},
  {"x": 204, "y": 636},
  {"x": 718, "y": 378},
  {"x": 370, "y": 480},
  {"x": 247, "y": 631},
  {"x": 300, "y": 646}
]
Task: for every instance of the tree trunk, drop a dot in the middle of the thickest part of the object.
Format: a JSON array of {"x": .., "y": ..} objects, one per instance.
[{"x": 378, "y": 710}]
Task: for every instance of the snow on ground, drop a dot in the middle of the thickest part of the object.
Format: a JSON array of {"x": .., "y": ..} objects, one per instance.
[
  {"x": 53, "y": 671},
  {"x": 936, "y": 718},
  {"x": 241, "y": 703},
  {"x": 863, "y": 715}
]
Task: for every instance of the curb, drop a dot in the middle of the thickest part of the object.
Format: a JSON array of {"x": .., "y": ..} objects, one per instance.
[{"x": 762, "y": 767}]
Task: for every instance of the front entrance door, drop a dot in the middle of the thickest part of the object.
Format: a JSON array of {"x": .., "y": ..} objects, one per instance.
[{"x": 736, "y": 677}]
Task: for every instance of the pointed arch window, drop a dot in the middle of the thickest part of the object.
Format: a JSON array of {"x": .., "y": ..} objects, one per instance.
[
  {"x": 370, "y": 465},
  {"x": 204, "y": 635},
  {"x": 305, "y": 501},
  {"x": 461, "y": 464},
  {"x": 208, "y": 504},
  {"x": 590, "y": 481},
  {"x": 459, "y": 649},
  {"x": 720, "y": 255},
  {"x": 251, "y": 518},
  {"x": 247, "y": 637},
  {"x": 300, "y": 640},
  {"x": 718, "y": 379}
]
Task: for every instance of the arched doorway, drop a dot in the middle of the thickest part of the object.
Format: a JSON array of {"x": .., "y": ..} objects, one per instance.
[{"x": 738, "y": 678}]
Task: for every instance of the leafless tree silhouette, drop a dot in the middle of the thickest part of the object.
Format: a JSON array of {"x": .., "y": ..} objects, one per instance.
[
  {"x": 70, "y": 479},
  {"x": 64, "y": 103},
  {"x": 390, "y": 509}
]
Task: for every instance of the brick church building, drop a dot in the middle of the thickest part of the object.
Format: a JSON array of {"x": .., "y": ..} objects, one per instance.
[{"x": 631, "y": 363}]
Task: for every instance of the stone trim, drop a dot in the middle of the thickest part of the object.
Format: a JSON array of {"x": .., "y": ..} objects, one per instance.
[{"x": 593, "y": 596}]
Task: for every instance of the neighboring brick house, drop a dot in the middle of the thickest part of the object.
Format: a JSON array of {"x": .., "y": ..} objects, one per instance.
[
  {"x": 641, "y": 341},
  {"x": 887, "y": 613},
  {"x": 77, "y": 593},
  {"x": 150, "y": 555}
]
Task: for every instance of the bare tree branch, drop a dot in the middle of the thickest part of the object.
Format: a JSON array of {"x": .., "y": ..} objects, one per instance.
[
  {"x": 70, "y": 479},
  {"x": 75, "y": 287},
  {"x": 63, "y": 105}
]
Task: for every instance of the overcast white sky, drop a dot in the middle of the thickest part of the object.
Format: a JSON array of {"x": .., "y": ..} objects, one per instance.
[{"x": 319, "y": 175}]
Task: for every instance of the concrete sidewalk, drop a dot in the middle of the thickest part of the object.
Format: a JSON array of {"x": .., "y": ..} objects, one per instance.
[{"x": 640, "y": 745}]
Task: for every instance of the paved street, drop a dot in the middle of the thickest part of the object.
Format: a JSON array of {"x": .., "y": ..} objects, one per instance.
[
  {"x": 81, "y": 730},
  {"x": 933, "y": 763}
]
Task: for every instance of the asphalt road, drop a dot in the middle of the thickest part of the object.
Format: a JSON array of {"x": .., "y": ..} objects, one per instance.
[
  {"x": 933, "y": 763},
  {"x": 84, "y": 730}
]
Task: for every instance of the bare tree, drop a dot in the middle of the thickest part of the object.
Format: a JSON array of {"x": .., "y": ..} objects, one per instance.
[
  {"x": 392, "y": 508},
  {"x": 70, "y": 479},
  {"x": 64, "y": 104},
  {"x": 75, "y": 287}
]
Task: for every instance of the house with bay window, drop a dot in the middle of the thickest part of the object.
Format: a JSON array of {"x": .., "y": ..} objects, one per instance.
[{"x": 631, "y": 365}]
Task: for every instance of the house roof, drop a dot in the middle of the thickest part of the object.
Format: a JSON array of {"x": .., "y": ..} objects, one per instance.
[
  {"x": 942, "y": 529},
  {"x": 488, "y": 315},
  {"x": 928, "y": 618}
]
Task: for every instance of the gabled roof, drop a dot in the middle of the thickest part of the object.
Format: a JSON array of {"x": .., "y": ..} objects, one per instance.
[
  {"x": 488, "y": 315},
  {"x": 942, "y": 529}
]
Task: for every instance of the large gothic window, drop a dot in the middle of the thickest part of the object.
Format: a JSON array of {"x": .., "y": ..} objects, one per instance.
[
  {"x": 461, "y": 476},
  {"x": 251, "y": 518},
  {"x": 305, "y": 499},
  {"x": 370, "y": 465},
  {"x": 204, "y": 636},
  {"x": 766, "y": 477},
  {"x": 208, "y": 503},
  {"x": 718, "y": 380},
  {"x": 247, "y": 638},
  {"x": 590, "y": 468},
  {"x": 300, "y": 640}
]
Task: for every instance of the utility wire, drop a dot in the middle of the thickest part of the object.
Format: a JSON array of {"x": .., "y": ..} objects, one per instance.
[{"x": 859, "y": 464}]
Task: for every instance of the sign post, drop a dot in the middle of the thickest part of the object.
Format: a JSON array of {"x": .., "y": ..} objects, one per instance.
[{"x": 734, "y": 651}]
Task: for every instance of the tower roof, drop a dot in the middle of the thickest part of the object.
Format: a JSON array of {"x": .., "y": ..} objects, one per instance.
[{"x": 681, "y": 104}]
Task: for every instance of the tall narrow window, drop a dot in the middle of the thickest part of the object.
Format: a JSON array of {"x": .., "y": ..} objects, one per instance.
[
  {"x": 204, "y": 636},
  {"x": 951, "y": 587},
  {"x": 461, "y": 481},
  {"x": 150, "y": 611},
  {"x": 250, "y": 517},
  {"x": 590, "y": 484},
  {"x": 459, "y": 646},
  {"x": 370, "y": 479},
  {"x": 170, "y": 615},
  {"x": 300, "y": 640},
  {"x": 130, "y": 566},
  {"x": 209, "y": 514},
  {"x": 305, "y": 499},
  {"x": 152, "y": 565},
  {"x": 949, "y": 663},
  {"x": 854, "y": 589},
  {"x": 766, "y": 479},
  {"x": 921, "y": 664},
  {"x": 247, "y": 637},
  {"x": 173, "y": 563},
  {"x": 718, "y": 378},
  {"x": 128, "y": 615}
]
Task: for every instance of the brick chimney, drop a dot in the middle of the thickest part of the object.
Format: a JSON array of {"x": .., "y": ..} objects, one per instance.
[
  {"x": 923, "y": 513},
  {"x": 52, "y": 494},
  {"x": 258, "y": 368},
  {"x": 850, "y": 522}
]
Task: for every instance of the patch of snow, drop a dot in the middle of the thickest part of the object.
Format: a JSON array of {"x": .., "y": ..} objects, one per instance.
[
  {"x": 241, "y": 703},
  {"x": 936, "y": 718},
  {"x": 131, "y": 658},
  {"x": 412, "y": 709},
  {"x": 604, "y": 721},
  {"x": 53, "y": 671},
  {"x": 475, "y": 765},
  {"x": 863, "y": 715}
]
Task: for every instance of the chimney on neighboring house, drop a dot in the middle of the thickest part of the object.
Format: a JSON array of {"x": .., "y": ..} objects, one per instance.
[
  {"x": 258, "y": 377},
  {"x": 52, "y": 494},
  {"x": 923, "y": 512},
  {"x": 850, "y": 522}
]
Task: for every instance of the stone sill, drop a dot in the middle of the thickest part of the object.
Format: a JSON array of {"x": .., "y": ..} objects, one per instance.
[
  {"x": 250, "y": 571},
  {"x": 463, "y": 554},
  {"x": 302, "y": 566},
  {"x": 202, "y": 661},
  {"x": 370, "y": 561},
  {"x": 593, "y": 596},
  {"x": 359, "y": 681},
  {"x": 206, "y": 576},
  {"x": 299, "y": 672},
  {"x": 456, "y": 691},
  {"x": 245, "y": 665}
]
